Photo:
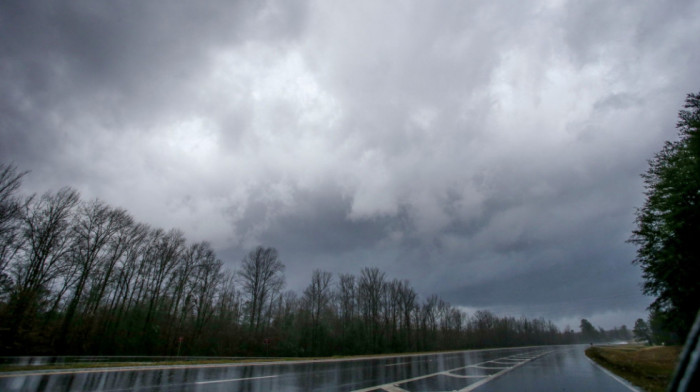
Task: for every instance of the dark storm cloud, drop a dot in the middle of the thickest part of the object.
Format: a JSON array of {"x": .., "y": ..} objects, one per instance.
[
  {"x": 488, "y": 152},
  {"x": 117, "y": 65}
]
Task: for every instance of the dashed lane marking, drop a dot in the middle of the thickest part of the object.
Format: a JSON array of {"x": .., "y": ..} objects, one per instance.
[
  {"x": 234, "y": 379},
  {"x": 407, "y": 362},
  {"x": 491, "y": 367},
  {"x": 462, "y": 376}
]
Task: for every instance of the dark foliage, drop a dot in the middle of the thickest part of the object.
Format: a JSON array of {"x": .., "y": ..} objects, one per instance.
[{"x": 668, "y": 227}]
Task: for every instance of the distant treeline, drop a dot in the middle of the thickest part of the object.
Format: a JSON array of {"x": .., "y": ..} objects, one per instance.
[{"x": 81, "y": 277}]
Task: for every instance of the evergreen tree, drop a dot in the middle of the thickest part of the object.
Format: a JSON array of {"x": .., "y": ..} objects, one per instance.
[
  {"x": 588, "y": 331},
  {"x": 668, "y": 225},
  {"x": 641, "y": 331}
]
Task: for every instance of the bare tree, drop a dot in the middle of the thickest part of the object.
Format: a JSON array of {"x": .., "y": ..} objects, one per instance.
[
  {"x": 96, "y": 226},
  {"x": 347, "y": 297},
  {"x": 317, "y": 294},
  {"x": 130, "y": 289},
  {"x": 208, "y": 277},
  {"x": 10, "y": 220},
  {"x": 369, "y": 293},
  {"x": 10, "y": 205},
  {"x": 121, "y": 287},
  {"x": 262, "y": 279},
  {"x": 182, "y": 283},
  {"x": 46, "y": 224},
  {"x": 125, "y": 276},
  {"x": 407, "y": 299},
  {"x": 346, "y": 306},
  {"x": 117, "y": 247},
  {"x": 163, "y": 255},
  {"x": 317, "y": 297},
  {"x": 429, "y": 322},
  {"x": 228, "y": 304}
]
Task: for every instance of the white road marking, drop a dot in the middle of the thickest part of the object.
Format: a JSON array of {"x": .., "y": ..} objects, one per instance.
[
  {"x": 407, "y": 362},
  {"x": 391, "y": 388},
  {"x": 499, "y": 374},
  {"x": 461, "y": 376},
  {"x": 618, "y": 379},
  {"x": 395, "y": 384},
  {"x": 234, "y": 379}
]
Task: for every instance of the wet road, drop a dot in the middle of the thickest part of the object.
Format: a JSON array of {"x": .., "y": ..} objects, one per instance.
[{"x": 550, "y": 368}]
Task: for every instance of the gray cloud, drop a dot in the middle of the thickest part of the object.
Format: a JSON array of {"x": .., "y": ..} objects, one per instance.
[{"x": 489, "y": 152}]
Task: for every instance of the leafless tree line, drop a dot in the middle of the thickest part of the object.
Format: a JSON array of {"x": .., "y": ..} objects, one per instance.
[{"x": 82, "y": 277}]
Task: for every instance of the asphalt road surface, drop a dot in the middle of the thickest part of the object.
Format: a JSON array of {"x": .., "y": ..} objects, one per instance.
[{"x": 548, "y": 368}]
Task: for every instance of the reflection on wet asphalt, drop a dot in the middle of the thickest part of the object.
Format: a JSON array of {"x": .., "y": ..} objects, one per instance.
[
  {"x": 566, "y": 369},
  {"x": 519, "y": 369}
]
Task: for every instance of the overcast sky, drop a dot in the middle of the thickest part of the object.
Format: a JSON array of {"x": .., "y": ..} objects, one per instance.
[{"x": 487, "y": 151}]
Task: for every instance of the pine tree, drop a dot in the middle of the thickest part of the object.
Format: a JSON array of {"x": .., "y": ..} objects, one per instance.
[{"x": 668, "y": 225}]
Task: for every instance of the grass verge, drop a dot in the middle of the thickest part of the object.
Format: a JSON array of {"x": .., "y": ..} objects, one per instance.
[{"x": 648, "y": 367}]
